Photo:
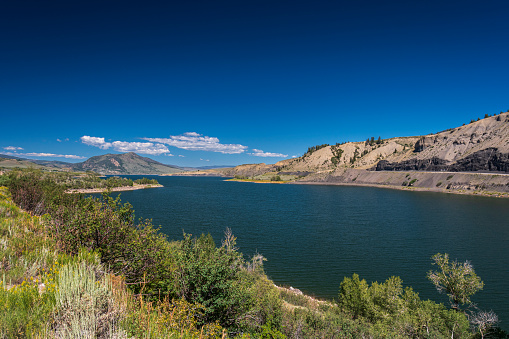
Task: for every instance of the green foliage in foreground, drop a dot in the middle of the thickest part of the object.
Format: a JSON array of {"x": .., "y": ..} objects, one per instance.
[
  {"x": 389, "y": 307},
  {"x": 108, "y": 275}
]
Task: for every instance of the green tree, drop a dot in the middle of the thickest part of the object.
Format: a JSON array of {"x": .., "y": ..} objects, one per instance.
[
  {"x": 457, "y": 279},
  {"x": 353, "y": 295}
]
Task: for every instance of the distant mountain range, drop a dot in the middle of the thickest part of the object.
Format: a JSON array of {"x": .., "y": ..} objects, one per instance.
[{"x": 108, "y": 164}]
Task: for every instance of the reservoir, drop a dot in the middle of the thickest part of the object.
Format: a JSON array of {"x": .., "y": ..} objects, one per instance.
[{"x": 313, "y": 235}]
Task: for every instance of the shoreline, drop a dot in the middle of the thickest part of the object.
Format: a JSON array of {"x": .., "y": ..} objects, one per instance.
[
  {"x": 259, "y": 181},
  {"x": 489, "y": 194},
  {"x": 434, "y": 189},
  {"x": 114, "y": 189}
]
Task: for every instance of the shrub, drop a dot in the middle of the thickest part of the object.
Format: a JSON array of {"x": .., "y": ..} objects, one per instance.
[
  {"x": 4, "y": 180},
  {"x": 398, "y": 312},
  {"x": 457, "y": 279},
  {"x": 107, "y": 227},
  {"x": 208, "y": 275},
  {"x": 24, "y": 311},
  {"x": 85, "y": 305}
]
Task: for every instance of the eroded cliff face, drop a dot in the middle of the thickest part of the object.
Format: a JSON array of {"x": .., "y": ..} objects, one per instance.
[
  {"x": 479, "y": 146},
  {"x": 487, "y": 160},
  {"x": 460, "y": 142}
]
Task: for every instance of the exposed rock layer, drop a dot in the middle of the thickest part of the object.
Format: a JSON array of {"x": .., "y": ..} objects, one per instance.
[{"x": 489, "y": 160}]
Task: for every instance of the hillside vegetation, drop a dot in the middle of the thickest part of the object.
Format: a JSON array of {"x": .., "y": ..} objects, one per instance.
[{"x": 76, "y": 266}]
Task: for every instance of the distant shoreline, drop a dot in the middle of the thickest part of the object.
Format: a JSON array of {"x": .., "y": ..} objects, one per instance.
[
  {"x": 260, "y": 181},
  {"x": 193, "y": 174},
  {"x": 114, "y": 189},
  {"x": 483, "y": 193},
  {"x": 411, "y": 188}
]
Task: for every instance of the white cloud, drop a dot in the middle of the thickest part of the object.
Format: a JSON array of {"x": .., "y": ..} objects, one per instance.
[
  {"x": 59, "y": 140},
  {"x": 260, "y": 153},
  {"x": 125, "y": 146},
  {"x": 12, "y": 148},
  {"x": 197, "y": 142},
  {"x": 51, "y": 155},
  {"x": 96, "y": 142},
  {"x": 140, "y": 147},
  {"x": 182, "y": 156}
]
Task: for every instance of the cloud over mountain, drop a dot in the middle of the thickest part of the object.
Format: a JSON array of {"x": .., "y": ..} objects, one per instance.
[{"x": 125, "y": 146}]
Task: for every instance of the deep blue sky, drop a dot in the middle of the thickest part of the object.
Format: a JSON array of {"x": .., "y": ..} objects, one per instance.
[{"x": 271, "y": 76}]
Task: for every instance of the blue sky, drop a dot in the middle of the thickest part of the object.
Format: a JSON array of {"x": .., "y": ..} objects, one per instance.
[{"x": 197, "y": 83}]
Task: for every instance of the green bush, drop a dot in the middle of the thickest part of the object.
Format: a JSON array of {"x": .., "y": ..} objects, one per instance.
[
  {"x": 24, "y": 312},
  {"x": 135, "y": 250},
  {"x": 208, "y": 275},
  {"x": 396, "y": 311}
]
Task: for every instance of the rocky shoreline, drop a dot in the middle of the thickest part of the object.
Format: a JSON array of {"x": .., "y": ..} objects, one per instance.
[{"x": 479, "y": 184}]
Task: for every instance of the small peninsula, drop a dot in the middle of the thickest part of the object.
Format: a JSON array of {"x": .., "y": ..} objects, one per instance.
[{"x": 113, "y": 189}]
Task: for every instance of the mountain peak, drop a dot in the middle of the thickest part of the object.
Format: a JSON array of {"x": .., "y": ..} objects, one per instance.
[{"x": 125, "y": 164}]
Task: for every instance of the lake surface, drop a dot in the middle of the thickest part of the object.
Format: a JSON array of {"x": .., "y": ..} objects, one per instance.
[{"x": 313, "y": 236}]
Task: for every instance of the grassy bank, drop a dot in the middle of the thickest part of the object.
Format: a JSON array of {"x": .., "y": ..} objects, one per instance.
[{"x": 75, "y": 266}]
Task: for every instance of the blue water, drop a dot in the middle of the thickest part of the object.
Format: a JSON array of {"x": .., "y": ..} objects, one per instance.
[{"x": 313, "y": 236}]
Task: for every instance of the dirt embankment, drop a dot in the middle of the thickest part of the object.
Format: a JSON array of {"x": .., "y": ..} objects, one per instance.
[{"x": 487, "y": 184}]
